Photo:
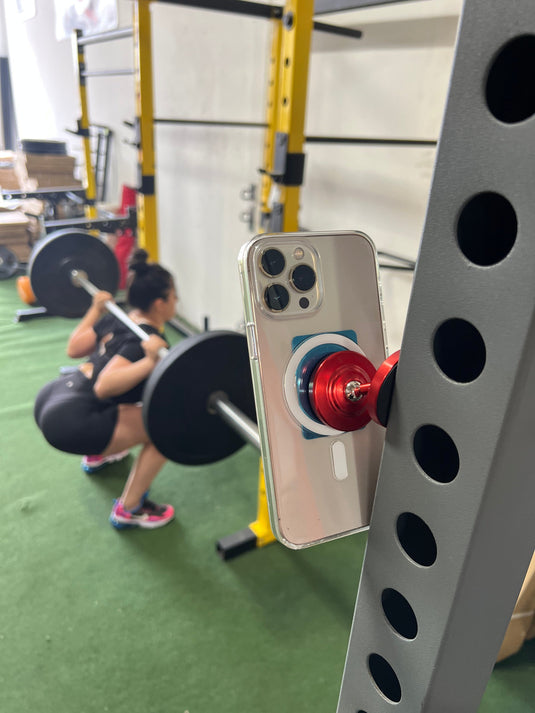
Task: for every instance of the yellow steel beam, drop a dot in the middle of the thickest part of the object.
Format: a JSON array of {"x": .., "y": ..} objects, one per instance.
[
  {"x": 147, "y": 220},
  {"x": 286, "y": 109},
  {"x": 90, "y": 208},
  {"x": 297, "y": 31},
  {"x": 271, "y": 120},
  {"x": 287, "y": 94},
  {"x": 261, "y": 526}
]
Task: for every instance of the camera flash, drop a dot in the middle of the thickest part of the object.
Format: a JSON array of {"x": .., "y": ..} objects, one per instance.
[{"x": 299, "y": 253}]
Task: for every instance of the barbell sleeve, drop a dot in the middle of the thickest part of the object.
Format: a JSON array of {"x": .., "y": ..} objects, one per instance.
[{"x": 234, "y": 417}]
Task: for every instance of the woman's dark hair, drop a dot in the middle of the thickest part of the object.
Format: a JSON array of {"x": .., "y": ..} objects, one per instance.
[{"x": 147, "y": 281}]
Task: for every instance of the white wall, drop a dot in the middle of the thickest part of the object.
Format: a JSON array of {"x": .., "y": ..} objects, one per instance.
[
  {"x": 45, "y": 86},
  {"x": 391, "y": 84},
  {"x": 212, "y": 65},
  {"x": 3, "y": 32},
  {"x": 111, "y": 102},
  {"x": 42, "y": 74},
  {"x": 216, "y": 72}
]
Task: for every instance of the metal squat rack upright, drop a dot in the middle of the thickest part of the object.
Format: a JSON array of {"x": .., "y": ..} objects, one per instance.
[
  {"x": 283, "y": 157},
  {"x": 452, "y": 530}
]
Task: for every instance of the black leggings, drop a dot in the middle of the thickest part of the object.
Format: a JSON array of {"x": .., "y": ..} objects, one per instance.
[{"x": 72, "y": 418}]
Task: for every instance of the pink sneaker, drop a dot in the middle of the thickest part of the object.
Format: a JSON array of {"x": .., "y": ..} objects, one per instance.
[
  {"x": 148, "y": 515},
  {"x": 92, "y": 464}
]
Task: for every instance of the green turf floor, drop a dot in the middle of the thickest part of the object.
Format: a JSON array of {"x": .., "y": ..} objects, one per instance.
[{"x": 94, "y": 620}]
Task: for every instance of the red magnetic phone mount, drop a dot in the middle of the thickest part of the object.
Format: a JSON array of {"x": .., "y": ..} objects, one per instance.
[
  {"x": 334, "y": 390},
  {"x": 346, "y": 391}
]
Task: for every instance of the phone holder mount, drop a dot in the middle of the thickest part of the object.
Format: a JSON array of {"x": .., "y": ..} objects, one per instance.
[
  {"x": 308, "y": 353},
  {"x": 346, "y": 392},
  {"x": 331, "y": 387}
]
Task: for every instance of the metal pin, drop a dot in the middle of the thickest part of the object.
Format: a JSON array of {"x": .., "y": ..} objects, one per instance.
[{"x": 355, "y": 390}]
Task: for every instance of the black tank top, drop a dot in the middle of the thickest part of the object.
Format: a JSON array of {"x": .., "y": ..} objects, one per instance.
[{"x": 113, "y": 337}]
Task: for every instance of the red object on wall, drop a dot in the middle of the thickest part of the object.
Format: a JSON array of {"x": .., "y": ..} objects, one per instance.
[
  {"x": 126, "y": 239},
  {"x": 128, "y": 199}
]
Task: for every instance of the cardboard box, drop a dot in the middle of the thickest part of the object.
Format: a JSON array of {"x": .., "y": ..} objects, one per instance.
[
  {"x": 32, "y": 207},
  {"x": 12, "y": 220},
  {"x": 48, "y": 163},
  {"x": 522, "y": 624},
  {"x": 20, "y": 249},
  {"x": 9, "y": 180},
  {"x": 57, "y": 180},
  {"x": 15, "y": 234},
  {"x": 46, "y": 170}
]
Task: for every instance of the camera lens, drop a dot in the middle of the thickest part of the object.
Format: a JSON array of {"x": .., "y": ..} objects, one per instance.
[
  {"x": 272, "y": 262},
  {"x": 276, "y": 297},
  {"x": 303, "y": 278}
]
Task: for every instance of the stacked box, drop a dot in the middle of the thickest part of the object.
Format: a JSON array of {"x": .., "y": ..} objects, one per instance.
[
  {"x": 9, "y": 180},
  {"x": 15, "y": 234},
  {"x": 34, "y": 210},
  {"x": 47, "y": 170},
  {"x": 21, "y": 227}
]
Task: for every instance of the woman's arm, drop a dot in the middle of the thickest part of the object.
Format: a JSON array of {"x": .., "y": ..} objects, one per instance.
[
  {"x": 120, "y": 375},
  {"x": 83, "y": 339}
]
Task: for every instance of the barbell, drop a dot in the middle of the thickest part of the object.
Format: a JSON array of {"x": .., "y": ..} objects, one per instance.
[{"x": 198, "y": 402}]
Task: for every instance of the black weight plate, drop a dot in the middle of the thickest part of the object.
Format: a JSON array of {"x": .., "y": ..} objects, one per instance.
[
  {"x": 58, "y": 148},
  {"x": 175, "y": 401},
  {"x": 50, "y": 266},
  {"x": 8, "y": 263}
]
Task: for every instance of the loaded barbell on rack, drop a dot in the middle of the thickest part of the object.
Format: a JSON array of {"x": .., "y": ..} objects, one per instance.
[{"x": 198, "y": 404}]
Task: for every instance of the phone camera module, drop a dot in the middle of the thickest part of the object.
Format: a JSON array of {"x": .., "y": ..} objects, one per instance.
[
  {"x": 272, "y": 262},
  {"x": 303, "y": 278},
  {"x": 276, "y": 297}
]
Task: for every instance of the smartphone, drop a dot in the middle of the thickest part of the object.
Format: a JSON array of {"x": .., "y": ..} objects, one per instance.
[{"x": 307, "y": 296}]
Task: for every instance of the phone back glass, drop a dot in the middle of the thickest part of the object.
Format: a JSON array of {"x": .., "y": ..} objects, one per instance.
[{"x": 320, "y": 482}]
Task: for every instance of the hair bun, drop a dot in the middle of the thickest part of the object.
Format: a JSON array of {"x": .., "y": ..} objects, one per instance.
[{"x": 138, "y": 261}]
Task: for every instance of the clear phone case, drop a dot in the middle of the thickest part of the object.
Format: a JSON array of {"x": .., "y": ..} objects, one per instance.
[{"x": 307, "y": 295}]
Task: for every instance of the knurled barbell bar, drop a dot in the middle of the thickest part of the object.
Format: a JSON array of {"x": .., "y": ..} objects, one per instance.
[{"x": 207, "y": 374}]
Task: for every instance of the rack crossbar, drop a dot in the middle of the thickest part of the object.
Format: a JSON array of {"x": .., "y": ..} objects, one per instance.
[
  {"x": 238, "y": 7},
  {"x": 108, "y": 73},
  {"x": 105, "y": 36}
]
